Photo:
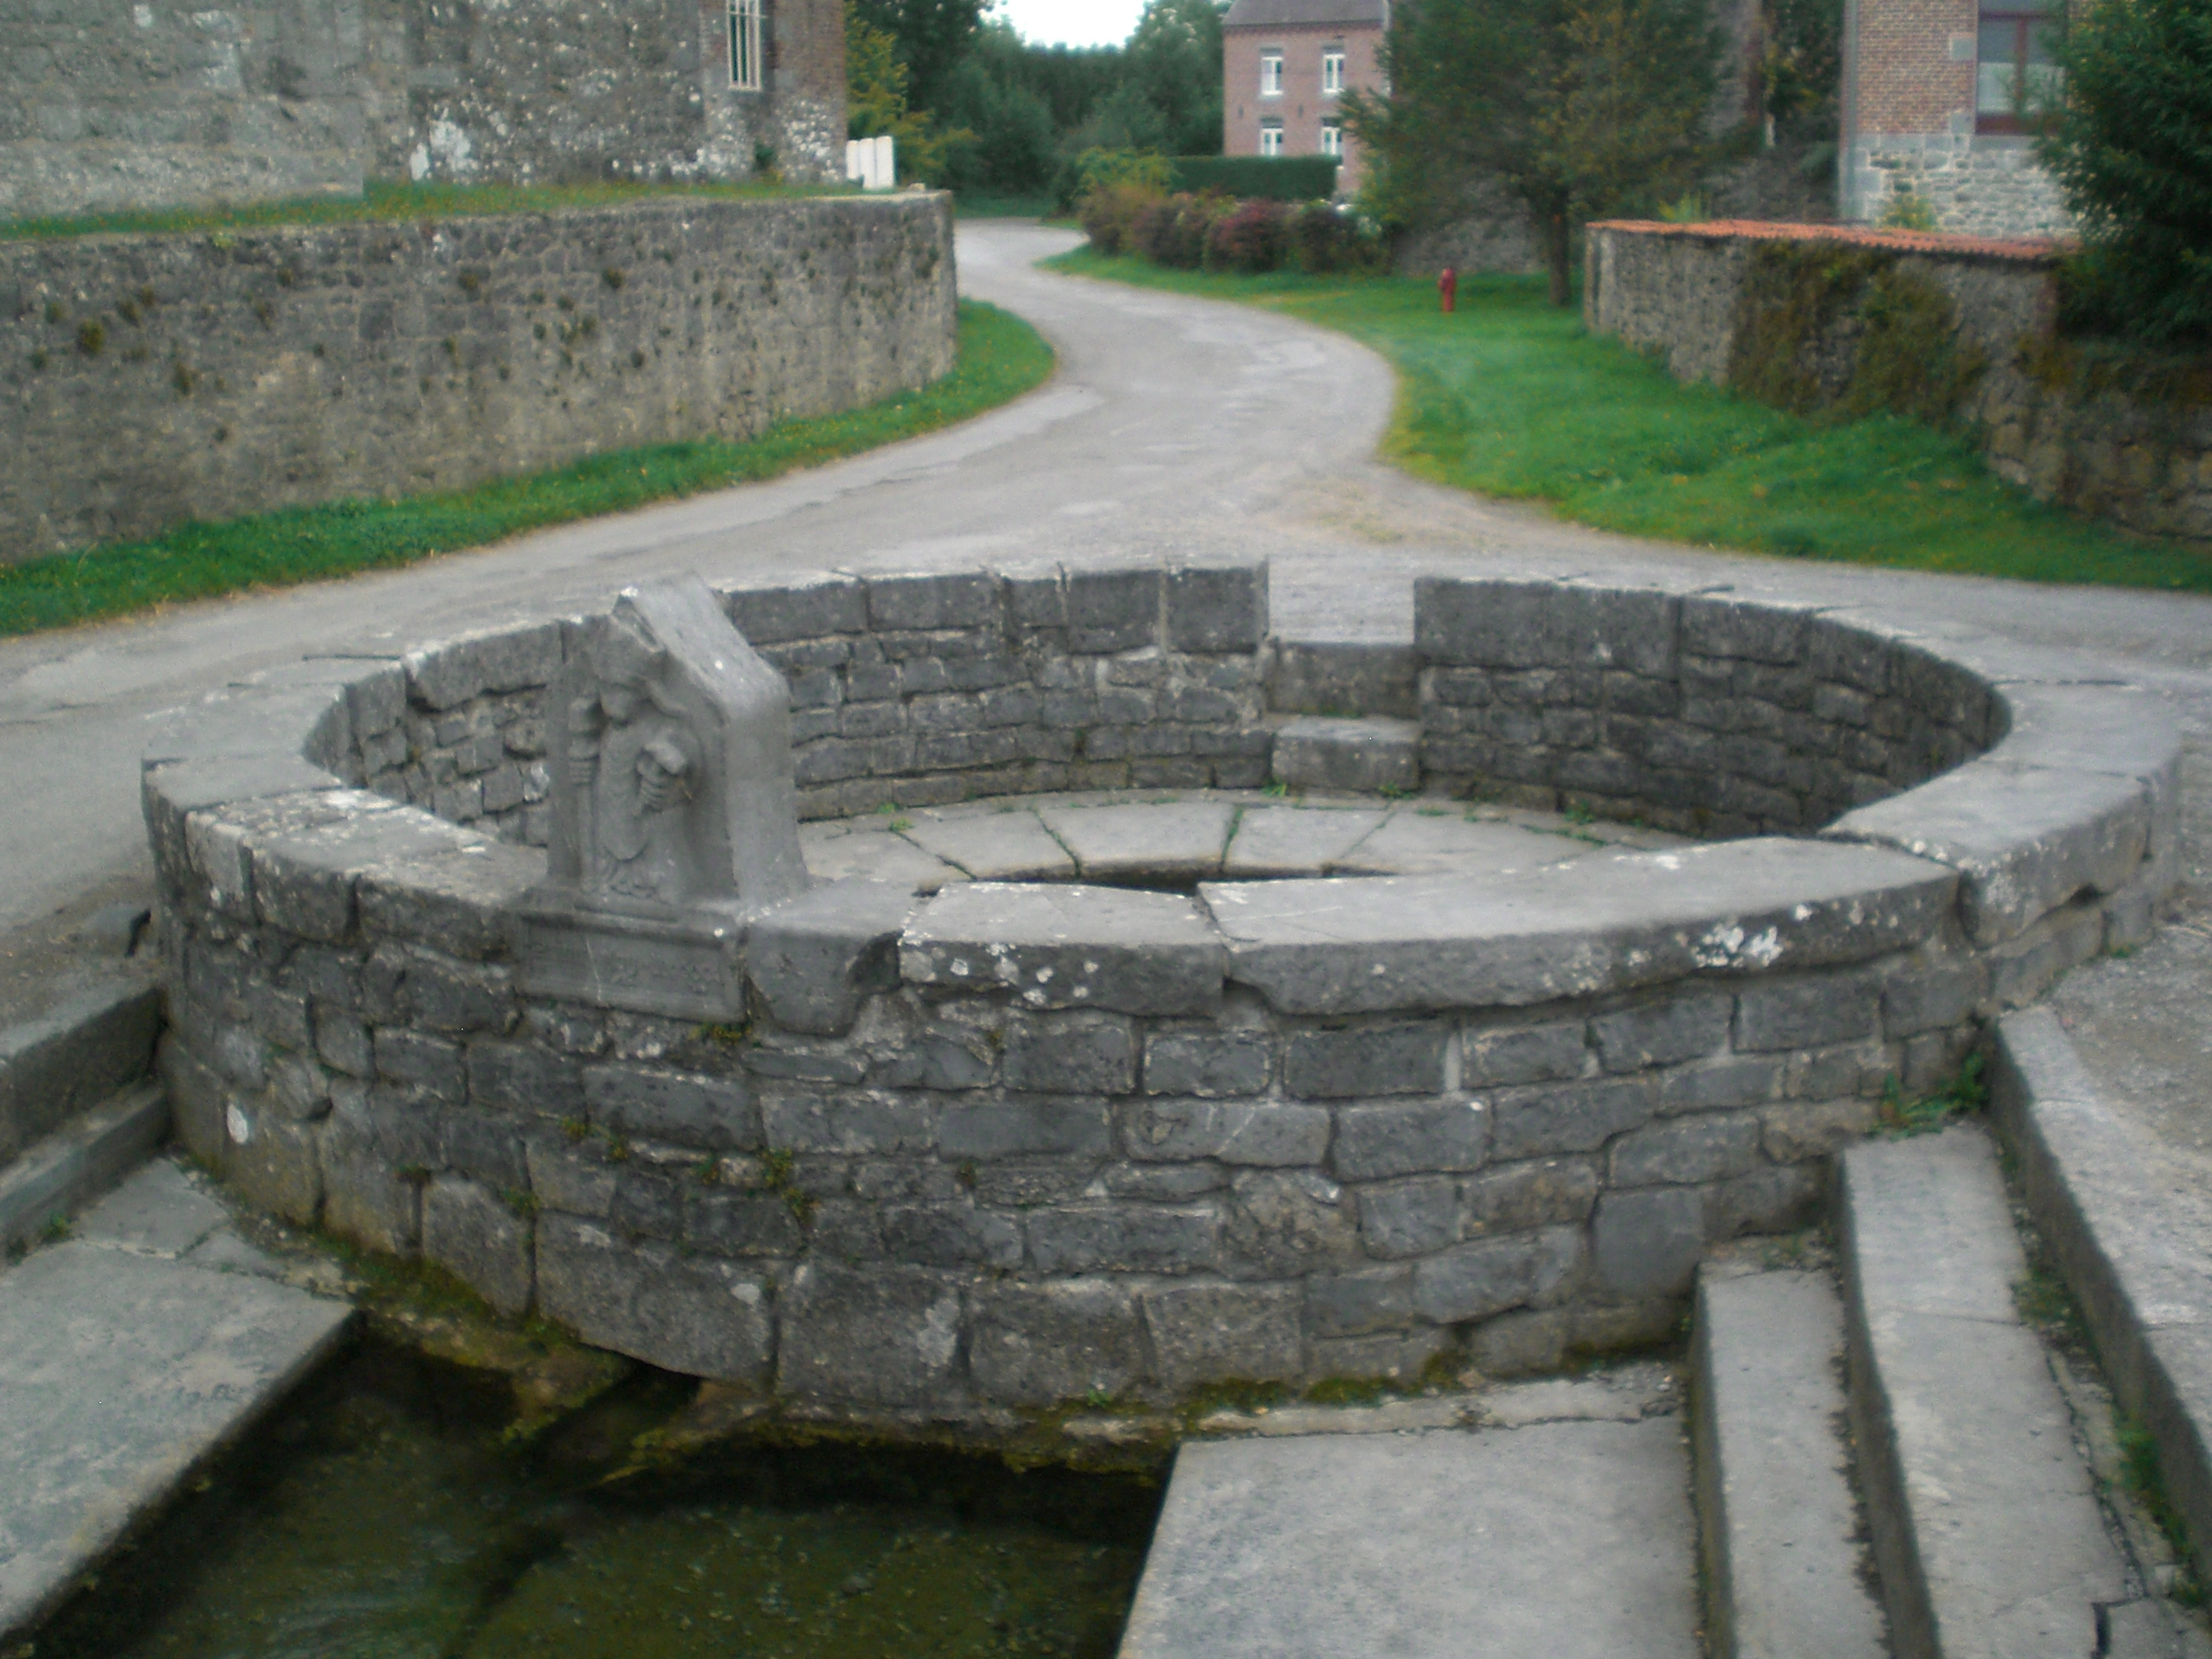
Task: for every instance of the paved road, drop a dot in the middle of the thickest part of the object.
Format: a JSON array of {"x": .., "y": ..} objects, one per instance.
[{"x": 1172, "y": 425}]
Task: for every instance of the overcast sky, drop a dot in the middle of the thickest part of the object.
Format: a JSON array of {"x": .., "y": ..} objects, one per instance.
[{"x": 1073, "y": 22}]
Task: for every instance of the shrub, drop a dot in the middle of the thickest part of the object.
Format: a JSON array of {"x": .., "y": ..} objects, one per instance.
[
  {"x": 2132, "y": 146},
  {"x": 1323, "y": 239},
  {"x": 1111, "y": 212},
  {"x": 1099, "y": 169},
  {"x": 1172, "y": 231},
  {"x": 1906, "y": 211},
  {"x": 1253, "y": 235}
]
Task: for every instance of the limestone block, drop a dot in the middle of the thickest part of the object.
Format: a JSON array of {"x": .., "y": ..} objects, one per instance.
[
  {"x": 1647, "y": 1242},
  {"x": 1707, "y": 1147},
  {"x": 1113, "y": 609},
  {"x": 1073, "y": 946},
  {"x": 848, "y": 1121},
  {"x": 1283, "y": 1223},
  {"x": 1569, "y": 1117},
  {"x": 1806, "y": 1014},
  {"x": 1211, "y": 1332},
  {"x": 1409, "y": 1217},
  {"x": 1357, "y": 1302},
  {"x": 519, "y": 1077},
  {"x": 884, "y": 1336},
  {"x": 805, "y": 606},
  {"x": 1715, "y": 1084},
  {"x": 1410, "y": 1137},
  {"x": 431, "y": 1065},
  {"x": 1350, "y": 756},
  {"x": 723, "y": 1222},
  {"x": 1533, "y": 1193},
  {"x": 363, "y": 1199},
  {"x": 1123, "y": 1237},
  {"x": 683, "y": 1312},
  {"x": 1011, "y": 1128},
  {"x": 455, "y": 902},
  {"x": 952, "y": 1236},
  {"x": 447, "y": 675},
  {"x": 814, "y": 959},
  {"x": 1386, "y": 1060},
  {"x": 1207, "y": 1065},
  {"x": 932, "y": 600},
  {"x": 1217, "y": 609},
  {"x": 1660, "y": 1033},
  {"x": 1530, "y": 1054},
  {"x": 652, "y": 1104},
  {"x": 479, "y": 1239},
  {"x": 1254, "y": 1132},
  {"x": 1041, "y": 1345},
  {"x": 1514, "y": 1270},
  {"x": 1070, "y": 1054},
  {"x": 1543, "y": 624}
]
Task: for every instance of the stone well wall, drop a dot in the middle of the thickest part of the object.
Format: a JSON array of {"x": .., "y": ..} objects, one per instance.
[
  {"x": 153, "y": 378},
  {"x": 963, "y": 1155},
  {"x": 2130, "y": 443}
]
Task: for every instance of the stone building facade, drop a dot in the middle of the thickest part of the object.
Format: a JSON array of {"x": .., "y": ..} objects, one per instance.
[
  {"x": 1285, "y": 66},
  {"x": 110, "y": 104},
  {"x": 1931, "y": 107}
]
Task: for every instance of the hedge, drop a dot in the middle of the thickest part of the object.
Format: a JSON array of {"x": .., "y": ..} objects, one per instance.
[{"x": 1275, "y": 177}]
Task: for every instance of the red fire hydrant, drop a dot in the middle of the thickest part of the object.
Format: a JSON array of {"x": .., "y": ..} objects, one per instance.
[{"x": 1448, "y": 288}]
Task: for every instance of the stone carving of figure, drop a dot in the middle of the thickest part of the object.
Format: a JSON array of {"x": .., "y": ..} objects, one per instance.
[{"x": 638, "y": 762}]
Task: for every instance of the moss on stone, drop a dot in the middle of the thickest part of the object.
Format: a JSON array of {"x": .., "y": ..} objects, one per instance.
[{"x": 1792, "y": 296}]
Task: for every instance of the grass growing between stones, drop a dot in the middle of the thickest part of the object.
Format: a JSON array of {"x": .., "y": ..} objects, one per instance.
[
  {"x": 384, "y": 200},
  {"x": 1000, "y": 358},
  {"x": 1511, "y": 397}
]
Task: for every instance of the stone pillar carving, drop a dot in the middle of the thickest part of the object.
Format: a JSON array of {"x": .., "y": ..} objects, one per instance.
[{"x": 674, "y": 816}]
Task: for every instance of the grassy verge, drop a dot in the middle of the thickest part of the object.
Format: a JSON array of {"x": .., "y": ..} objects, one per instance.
[
  {"x": 1511, "y": 397},
  {"x": 398, "y": 202},
  {"x": 1001, "y": 357}
]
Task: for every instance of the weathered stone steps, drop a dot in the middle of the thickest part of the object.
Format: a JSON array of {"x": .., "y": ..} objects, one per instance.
[
  {"x": 1983, "y": 1513},
  {"x": 1367, "y": 756},
  {"x": 1782, "y": 1562}
]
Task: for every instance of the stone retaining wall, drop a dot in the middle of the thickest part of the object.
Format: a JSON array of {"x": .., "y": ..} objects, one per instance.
[
  {"x": 1006, "y": 1147},
  {"x": 2129, "y": 443},
  {"x": 152, "y": 378}
]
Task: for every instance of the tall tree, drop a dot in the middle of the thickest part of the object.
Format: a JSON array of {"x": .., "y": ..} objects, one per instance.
[
  {"x": 2130, "y": 142},
  {"x": 1578, "y": 108},
  {"x": 929, "y": 37}
]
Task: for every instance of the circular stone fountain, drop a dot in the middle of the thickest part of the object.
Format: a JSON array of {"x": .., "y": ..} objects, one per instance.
[{"x": 988, "y": 1036}]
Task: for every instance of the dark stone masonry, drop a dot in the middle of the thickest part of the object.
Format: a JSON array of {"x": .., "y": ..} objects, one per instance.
[
  {"x": 146, "y": 380},
  {"x": 956, "y": 1150}
]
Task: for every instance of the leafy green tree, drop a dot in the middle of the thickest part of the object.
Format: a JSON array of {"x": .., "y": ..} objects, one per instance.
[
  {"x": 876, "y": 100},
  {"x": 1016, "y": 146},
  {"x": 2130, "y": 142},
  {"x": 929, "y": 38},
  {"x": 1801, "y": 68},
  {"x": 1578, "y": 108}
]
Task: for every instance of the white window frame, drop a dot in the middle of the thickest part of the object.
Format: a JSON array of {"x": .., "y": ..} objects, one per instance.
[
  {"x": 745, "y": 19},
  {"x": 1271, "y": 72},
  {"x": 1271, "y": 137},
  {"x": 1332, "y": 72},
  {"x": 1331, "y": 138}
]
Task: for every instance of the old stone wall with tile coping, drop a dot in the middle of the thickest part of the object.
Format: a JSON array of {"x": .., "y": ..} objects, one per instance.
[
  {"x": 973, "y": 1155},
  {"x": 2068, "y": 427},
  {"x": 148, "y": 379}
]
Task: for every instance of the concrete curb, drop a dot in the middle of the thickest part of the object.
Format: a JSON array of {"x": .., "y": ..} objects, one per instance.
[{"x": 2084, "y": 1175}]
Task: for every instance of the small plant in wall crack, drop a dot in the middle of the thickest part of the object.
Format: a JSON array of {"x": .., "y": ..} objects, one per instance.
[
  {"x": 1962, "y": 1094},
  {"x": 780, "y": 1175}
]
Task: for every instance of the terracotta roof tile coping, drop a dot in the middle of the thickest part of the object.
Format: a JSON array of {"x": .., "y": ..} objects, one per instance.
[{"x": 2026, "y": 250}]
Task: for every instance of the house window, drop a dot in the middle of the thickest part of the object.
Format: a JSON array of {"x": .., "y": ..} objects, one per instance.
[
  {"x": 1271, "y": 137},
  {"x": 745, "y": 44},
  {"x": 1331, "y": 138},
  {"x": 1271, "y": 75},
  {"x": 2014, "y": 78},
  {"x": 1332, "y": 73}
]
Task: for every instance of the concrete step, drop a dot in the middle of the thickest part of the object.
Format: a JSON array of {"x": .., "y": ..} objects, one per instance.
[
  {"x": 1982, "y": 1512},
  {"x": 89, "y": 1153},
  {"x": 1567, "y": 1535},
  {"x": 1314, "y": 751},
  {"x": 129, "y": 1356},
  {"x": 1783, "y": 1565},
  {"x": 73, "y": 1056}
]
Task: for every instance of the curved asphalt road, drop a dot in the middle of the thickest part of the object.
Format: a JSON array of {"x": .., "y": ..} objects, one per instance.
[{"x": 1173, "y": 425}]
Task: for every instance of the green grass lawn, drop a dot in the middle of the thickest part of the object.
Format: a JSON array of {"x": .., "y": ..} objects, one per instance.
[
  {"x": 384, "y": 200},
  {"x": 1511, "y": 397},
  {"x": 1001, "y": 357}
]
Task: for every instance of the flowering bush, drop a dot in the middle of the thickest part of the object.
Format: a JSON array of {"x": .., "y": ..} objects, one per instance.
[
  {"x": 1111, "y": 212},
  {"x": 1173, "y": 232},
  {"x": 1253, "y": 235}
]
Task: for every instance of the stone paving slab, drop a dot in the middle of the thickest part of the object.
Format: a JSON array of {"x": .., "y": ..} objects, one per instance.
[
  {"x": 1563, "y": 1539},
  {"x": 123, "y": 1370},
  {"x": 1167, "y": 837},
  {"x": 837, "y": 852},
  {"x": 1296, "y": 841},
  {"x": 1005, "y": 845},
  {"x": 1427, "y": 843}
]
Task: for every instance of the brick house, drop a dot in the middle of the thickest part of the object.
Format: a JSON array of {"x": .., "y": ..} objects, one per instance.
[
  {"x": 1931, "y": 107},
  {"x": 1285, "y": 66}
]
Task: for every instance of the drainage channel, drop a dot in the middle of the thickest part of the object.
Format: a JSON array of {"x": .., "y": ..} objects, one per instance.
[{"x": 386, "y": 1511}]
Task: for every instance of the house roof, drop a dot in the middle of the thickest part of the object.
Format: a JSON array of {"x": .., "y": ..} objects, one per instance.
[{"x": 1294, "y": 13}]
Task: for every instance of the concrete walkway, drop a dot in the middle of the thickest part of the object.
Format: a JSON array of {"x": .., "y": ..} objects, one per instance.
[{"x": 128, "y": 1356}]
